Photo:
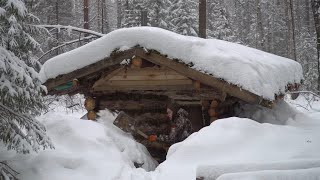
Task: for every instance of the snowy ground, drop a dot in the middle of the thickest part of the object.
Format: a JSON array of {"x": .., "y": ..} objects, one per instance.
[{"x": 283, "y": 144}]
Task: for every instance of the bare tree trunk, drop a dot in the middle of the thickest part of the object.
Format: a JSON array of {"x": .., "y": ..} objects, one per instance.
[
  {"x": 260, "y": 39},
  {"x": 103, "y": 5},
  {"x": 119, "y": 13},
  {"x": 291, "y": 30},
  {"x": 203, "y": 18},
  {"x": 99, "y": 15},
  {"x": 316, "y": 15},
  {"x": 57, "y": 22},
  {"x": 86, "y": 15},
  {"x": 307, "y": 18}
]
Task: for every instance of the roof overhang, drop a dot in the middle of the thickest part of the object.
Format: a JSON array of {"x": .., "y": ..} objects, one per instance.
[{"x": 153, "y": 56}]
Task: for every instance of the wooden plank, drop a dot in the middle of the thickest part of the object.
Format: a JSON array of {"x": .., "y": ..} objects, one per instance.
[
  {"x": 188, "y": 103},
  {"x": 93, "y": 68},
  {"x": 148, "y": 71},
  {"x": 145, "y": 76},
  {"x": 178, "y": 93},
  {"x": 150, "y": 77},
  {"x": 142, "y": 88},
  {"x": 148, "y": 83},
  {"x": 145, "y": 104},
  {"x": 203, "y": 78},
  {"x": 102, "y": 80}
]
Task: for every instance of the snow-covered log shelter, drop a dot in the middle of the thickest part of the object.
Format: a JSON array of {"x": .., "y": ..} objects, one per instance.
[{"x": 138, "y": 69}]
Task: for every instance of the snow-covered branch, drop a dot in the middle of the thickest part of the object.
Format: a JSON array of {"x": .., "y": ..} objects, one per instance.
[
  {"x": 304, "y": 92},
  {"x": 310, "y": 98},
  {"x": 72, "y": 28},
  {"x": 64, "y": 44},
  {"x": 7, "y": 171}
]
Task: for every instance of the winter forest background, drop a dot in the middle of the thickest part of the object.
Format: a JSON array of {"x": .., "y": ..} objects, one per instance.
[{"x": 282, "y": 27}]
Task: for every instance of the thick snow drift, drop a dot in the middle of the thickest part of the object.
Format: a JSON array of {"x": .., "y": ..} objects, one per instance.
[
  {"x": 227, "y": 143},
  {"x": 83, "y": 150},
  {"x": 233, "y": 148},
  {"x": 259, "y": 72}
]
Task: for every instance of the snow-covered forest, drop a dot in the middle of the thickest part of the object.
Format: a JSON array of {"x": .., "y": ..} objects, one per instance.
[{"x": 273, "y": 136}]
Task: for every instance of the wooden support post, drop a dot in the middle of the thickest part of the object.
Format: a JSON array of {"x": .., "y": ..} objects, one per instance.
[
  {"x": 197, "y": 85},
  {"x": 205, "y": 115},
  {"x": 90, "y": 104},
  {"x": 213, "y": 110}
]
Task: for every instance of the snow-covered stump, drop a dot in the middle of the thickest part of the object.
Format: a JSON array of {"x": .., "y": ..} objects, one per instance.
[{"x": 215, "y": 171}]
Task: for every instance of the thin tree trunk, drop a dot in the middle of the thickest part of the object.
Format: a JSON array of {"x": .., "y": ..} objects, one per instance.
[
  {"x": 103, "y": 6},
  {"x": 291, "y": 35},
  {"x": 57, "y": 22},
  {"x": 260, "y": 39},
  {"x": 293, "y": 30},
  {"x": 99, "y": 15},
  {"x": 316, "y": 15},
  {"x": 86, "y": 15}
]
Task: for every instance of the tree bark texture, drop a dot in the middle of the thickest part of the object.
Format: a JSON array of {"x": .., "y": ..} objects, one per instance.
[{"x": 316, "y": 15}]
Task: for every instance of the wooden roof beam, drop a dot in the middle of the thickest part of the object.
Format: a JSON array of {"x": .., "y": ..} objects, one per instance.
[{"x": 113, "y": 59}]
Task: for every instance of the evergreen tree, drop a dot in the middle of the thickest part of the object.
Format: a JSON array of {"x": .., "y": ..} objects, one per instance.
[
  {"x": 20, "y": 87},
  {"x": 130, "y": 12},
  {"x": 184, "y": 17},
  {"x": 16, "y": 30},
  {"x": 218, "y": 23},
  {"x": 158, "y": 11}
]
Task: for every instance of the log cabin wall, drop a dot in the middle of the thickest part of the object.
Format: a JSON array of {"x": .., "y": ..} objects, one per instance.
[{"x": 142, "y": 87}]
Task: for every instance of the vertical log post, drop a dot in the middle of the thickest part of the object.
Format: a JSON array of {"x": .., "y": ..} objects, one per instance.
[
  {"x": 90, "y": 104},
  {"x": 213, "y": 110}
]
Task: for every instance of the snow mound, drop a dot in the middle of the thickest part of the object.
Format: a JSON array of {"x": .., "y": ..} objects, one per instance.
[
  {"x": 253, "y": 169},
  {"x": 306, "y": 174},
  {"x": 259, "y": 72},
  {"x": 83, "y": 150},
  {"x": 235, "y": 141}
]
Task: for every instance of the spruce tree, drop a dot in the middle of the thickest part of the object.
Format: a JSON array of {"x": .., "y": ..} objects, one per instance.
[
  {"x": 20, "y": 87},
  {"x": 218, "y": 24},
  {"x": 184, "y": 17},
  {"x": 158, "y": 13},
  {"x": 17, "y": 30}
]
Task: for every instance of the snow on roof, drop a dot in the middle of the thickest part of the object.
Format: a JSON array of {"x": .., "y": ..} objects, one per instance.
[{"x": 261, "y": 73}]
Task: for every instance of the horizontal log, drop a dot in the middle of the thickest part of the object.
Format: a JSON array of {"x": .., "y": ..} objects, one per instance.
[
  {"x": 142, "y": 88},
  {"x": 143, "y": 104},
  {"x": 148, "y": 83},
  {"x": 187, "y": 94},
  {"x": 123, "y": 77},
  {"x": 188, "y": 103}
]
